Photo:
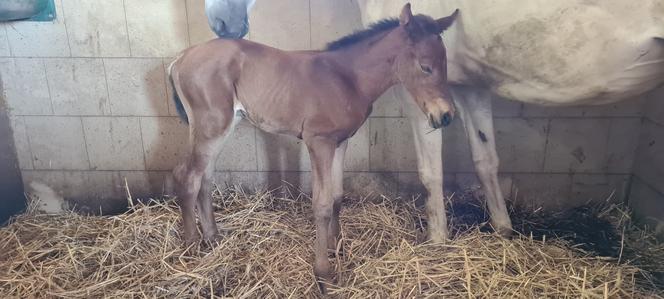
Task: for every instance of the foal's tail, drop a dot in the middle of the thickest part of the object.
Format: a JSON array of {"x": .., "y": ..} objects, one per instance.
[{"x": 176, "y": 98}]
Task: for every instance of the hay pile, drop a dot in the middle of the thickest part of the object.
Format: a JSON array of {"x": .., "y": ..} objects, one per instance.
[{"x": 267, "y": 249}]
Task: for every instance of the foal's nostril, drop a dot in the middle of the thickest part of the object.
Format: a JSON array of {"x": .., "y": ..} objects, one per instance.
[{"x": 447, "y": 119}]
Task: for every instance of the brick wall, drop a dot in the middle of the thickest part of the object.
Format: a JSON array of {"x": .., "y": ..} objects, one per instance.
[{"x": 90, "y": 107}]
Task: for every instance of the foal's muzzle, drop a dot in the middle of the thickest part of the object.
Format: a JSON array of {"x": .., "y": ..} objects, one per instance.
[{"x": 442, "y": 121}]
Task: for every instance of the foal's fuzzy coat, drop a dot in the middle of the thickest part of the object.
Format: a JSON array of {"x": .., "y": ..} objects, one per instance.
[{"x": 322, "y": 97}]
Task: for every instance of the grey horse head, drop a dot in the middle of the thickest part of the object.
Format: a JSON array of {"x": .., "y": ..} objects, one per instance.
[{"x": 229, "y": 18}]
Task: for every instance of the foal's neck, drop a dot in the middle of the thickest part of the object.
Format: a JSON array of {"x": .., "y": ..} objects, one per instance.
[{"x": 372, "y": 63}]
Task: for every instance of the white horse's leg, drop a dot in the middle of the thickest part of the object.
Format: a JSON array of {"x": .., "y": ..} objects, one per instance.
[
  {"x": 428, "y": 147},
  {"x": 474, "y": 107}
]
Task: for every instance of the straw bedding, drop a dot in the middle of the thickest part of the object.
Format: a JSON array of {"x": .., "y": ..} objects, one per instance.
[{"x": 267, "y": 248}]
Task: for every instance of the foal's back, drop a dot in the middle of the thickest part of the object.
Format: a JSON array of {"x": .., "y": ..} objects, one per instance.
[{"x": 280, "y": 91}]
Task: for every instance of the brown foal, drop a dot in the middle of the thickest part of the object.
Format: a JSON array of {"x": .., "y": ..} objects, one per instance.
[{"x": 322, "y": 97}]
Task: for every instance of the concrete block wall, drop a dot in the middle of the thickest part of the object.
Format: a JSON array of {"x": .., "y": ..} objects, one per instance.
[
  {"x": 91, "y": 109},
  {"x": 647, "y": 190}
]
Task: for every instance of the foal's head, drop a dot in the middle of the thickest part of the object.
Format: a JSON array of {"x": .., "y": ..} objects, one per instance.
[{"x": 421, "y": 65}]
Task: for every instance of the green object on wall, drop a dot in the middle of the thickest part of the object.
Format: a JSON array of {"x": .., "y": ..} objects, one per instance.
[{"x": 28, "y": 10}]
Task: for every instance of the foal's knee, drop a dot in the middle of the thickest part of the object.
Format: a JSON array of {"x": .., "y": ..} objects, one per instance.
[
  {"x": 187, "y": 181},
  {"x": 323, "y": 211}
]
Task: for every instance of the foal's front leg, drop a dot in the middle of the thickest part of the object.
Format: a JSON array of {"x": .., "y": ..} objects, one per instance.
[{"x": 321, "y": 153}]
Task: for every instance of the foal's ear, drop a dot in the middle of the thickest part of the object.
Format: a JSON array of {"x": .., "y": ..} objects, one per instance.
[
  {"x": 446, "y": 22},
  {"x": 406, "y": 15}
]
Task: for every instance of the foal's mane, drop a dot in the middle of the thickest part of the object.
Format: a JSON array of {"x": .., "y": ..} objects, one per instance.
[
  {"x": 358, "y": 36},
  {"x": 421, "y": 25}
]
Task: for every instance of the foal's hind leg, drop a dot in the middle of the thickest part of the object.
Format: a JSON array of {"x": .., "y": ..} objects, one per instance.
[
  {"x": 337, "y": 195},
  {"x": 204, "y": 204},
  {"x": 206, "y": 141}
]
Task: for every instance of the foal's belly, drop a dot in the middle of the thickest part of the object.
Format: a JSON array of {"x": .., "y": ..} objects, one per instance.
[{"x": 264, "y": 123}]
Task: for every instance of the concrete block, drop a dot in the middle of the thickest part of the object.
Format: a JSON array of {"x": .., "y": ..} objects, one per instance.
[
  {"x": 25, "y": 86},
  {"x": 648, "y": 205},
  {"x": 623, "y": 142},
  {"x": 521, "y": 144},
  {"x": 457, "y": 156},
  {"x": 410, "y": 185},
  {"x": 57, "y": 142},
  {"x": 157, "y": 28},
  {"x": 165, "y": 141},
  {"x": 506, "y": 108},
  {"x": 628, "y": 108},
  {"x": 655, "y": 106},
  {"x": 577, "y": 145},
  {"x": 145, "y": 184},
  {"x": 249, "y": 181},
  {"x": 391, "y": 146},
  {"x": 390, "y": 104},
  {"x": 292, "y": 182},
  {"x": 281, "y": 153},
  {"x": 470, "y": 181},
  {"x": 39, "y": 39},
  {"x": 649, "y": 165},
  {"x": 114, "y": 143},
  {"x": 97, "y": 28},
  {"x": 137, "y": 87},
  {"x": 290, "y": 31},
  {"x": 95, "y": 192},
  {"x": 4, "y": 42},
  {"x": 332, "y": 20},
  {"x": 21, "y": 142},
  {"x": 199, "y": 29},
  {"x": 599, "y": 188},
  {"x": 371, "y": 184},
  {"x": 549, "y": 191},
  {"x": 78, "y": 86},
  {"x": 239, "y": 150},
  {"x": 357, "y": 153}
]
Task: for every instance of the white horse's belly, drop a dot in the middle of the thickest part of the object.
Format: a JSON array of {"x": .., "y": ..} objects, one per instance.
[{"x": 565, "y": 52}]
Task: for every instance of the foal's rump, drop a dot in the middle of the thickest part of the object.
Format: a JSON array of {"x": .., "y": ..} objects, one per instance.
[{"x": 202, "y": 79}]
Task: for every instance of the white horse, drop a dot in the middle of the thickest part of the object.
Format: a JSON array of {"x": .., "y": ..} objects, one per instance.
[
  {"x": 556, "y": 53},
  {"x": 229, "y": 18}
]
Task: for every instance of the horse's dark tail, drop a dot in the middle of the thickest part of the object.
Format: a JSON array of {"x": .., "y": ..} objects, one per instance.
[{"x": 178, "y": 102}]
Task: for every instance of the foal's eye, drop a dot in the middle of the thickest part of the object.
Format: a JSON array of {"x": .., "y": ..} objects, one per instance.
[{"x": 426, "y": 69}]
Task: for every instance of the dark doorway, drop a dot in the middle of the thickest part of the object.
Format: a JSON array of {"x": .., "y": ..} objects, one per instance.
[{"x": 12, "y": 198}]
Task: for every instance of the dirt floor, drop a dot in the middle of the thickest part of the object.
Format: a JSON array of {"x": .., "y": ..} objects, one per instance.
[{"x": 588, "y": 252}]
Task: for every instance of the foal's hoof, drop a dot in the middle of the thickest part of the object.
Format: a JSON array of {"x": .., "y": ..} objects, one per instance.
[
  {"x": 324, "y": 285},
  {"x": 332, "y": 253},
  {"x": 213, "y": 239},
  {"x": 191, "y": 246}
]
